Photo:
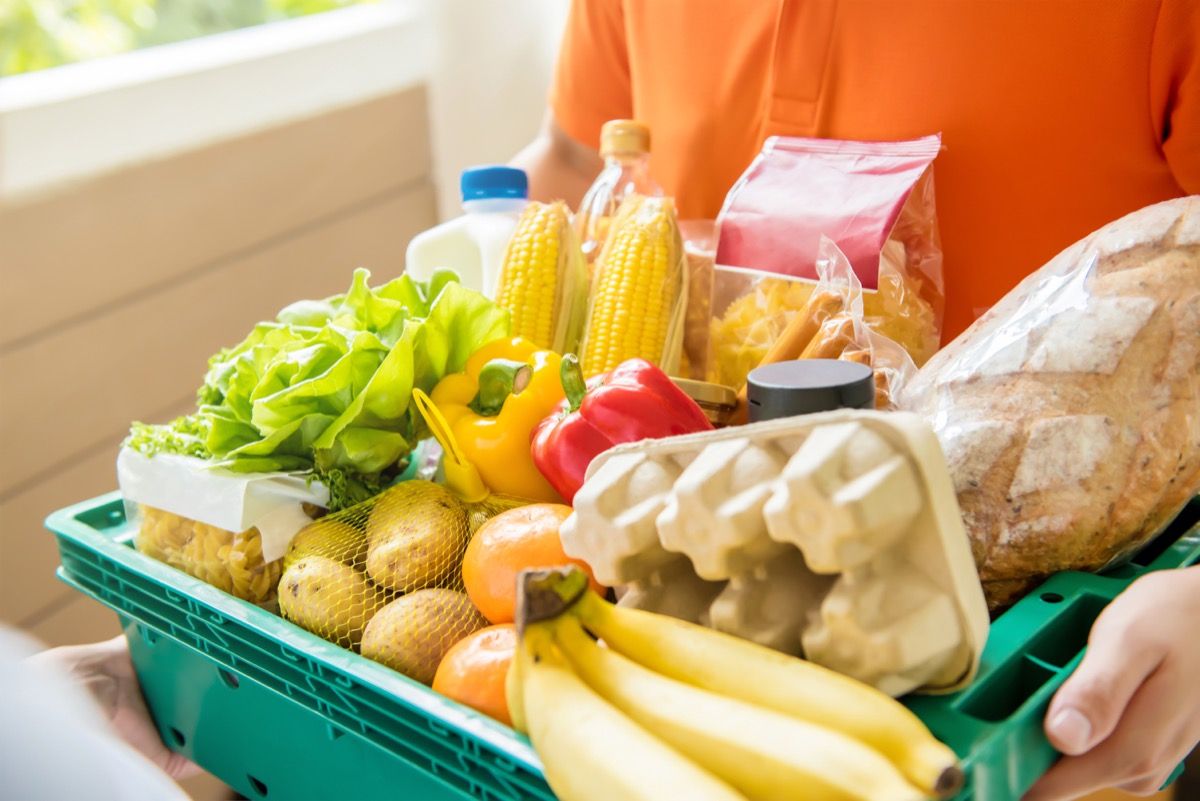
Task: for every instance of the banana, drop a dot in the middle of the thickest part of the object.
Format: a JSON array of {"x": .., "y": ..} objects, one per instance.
[
  {"x": 589, "y": 750},
  {"x": 742, "y": 670},
  {"x": 764, "y": 754}
]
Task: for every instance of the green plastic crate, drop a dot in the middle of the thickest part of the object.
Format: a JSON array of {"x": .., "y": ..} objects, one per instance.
[{"x": 279, "y": 713}]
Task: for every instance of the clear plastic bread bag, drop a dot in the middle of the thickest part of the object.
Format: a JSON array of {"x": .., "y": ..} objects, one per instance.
[{"x": 1069, "y": 413}]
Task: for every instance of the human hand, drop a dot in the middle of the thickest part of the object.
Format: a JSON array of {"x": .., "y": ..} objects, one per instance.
[
  {"x": 106, "y": 672},
  {"x": 1131, "y": 711}
]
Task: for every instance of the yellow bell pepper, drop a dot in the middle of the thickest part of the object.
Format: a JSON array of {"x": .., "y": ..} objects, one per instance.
[{"x": 492, "y": 407}]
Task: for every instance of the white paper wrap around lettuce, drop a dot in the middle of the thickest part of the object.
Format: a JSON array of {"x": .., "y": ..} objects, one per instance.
[{"x": 189, "y": 487}]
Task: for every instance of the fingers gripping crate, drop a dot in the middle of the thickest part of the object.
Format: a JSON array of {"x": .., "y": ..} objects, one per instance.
[{"x": 279, "y": 713}]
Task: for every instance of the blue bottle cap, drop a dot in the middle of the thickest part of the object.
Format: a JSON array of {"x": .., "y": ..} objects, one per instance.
[{"x": 487, "y": 183}]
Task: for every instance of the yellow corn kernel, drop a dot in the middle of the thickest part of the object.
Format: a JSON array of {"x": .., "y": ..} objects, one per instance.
[
  {"x": 529, "y": 277},
  {"x": 637, "y": 286}
]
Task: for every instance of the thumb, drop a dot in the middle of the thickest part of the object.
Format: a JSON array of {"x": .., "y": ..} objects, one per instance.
[{"x": 1088, "y": 706}]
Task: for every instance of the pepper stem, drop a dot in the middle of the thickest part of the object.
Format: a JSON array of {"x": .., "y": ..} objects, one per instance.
[
  {"x": 498, "y": 379},
  {"x": 574, "y": 387}
]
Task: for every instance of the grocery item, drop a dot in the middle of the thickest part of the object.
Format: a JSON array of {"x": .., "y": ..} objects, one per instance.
[
  {"x": 324, "y": 389},
  {"x": 864, "y": 496},
  {"x": 462, "y": 478},
  {"x": 492, "y": 408},
  {"x": 639, "y": 290},
  {"x": 344, "y": 566},
  {"x": 231, "y": 561},
  {"x": 589, "y": 750},
  {"x": 1070, "y": 412},
  {"x": 412, "y": 634},
  {"x": 334, "y": 539},
  {"x": 329, "y": 598},
  {"x": 543, "y": 280},
  {"x": 805, "y": 386},
  {"x": 716, "y": 401},
  {"x": 474, "y": 671},
  {"x": 416, "y": 534},
  {"x": 699, "y": 247},
  {"x": 772, "y": 726},
  {"x": 473, "y": 245},
  {"x": 875, "y": 199},
  {"x": 512, "y": 541},
  {"x": 763, "y": 753},
  {"x": 625, "y": 148},
  {"x": 632, "y": 402}
]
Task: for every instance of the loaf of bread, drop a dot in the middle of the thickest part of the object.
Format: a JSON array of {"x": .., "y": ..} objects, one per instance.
[{"x": 1070, "y": 412}]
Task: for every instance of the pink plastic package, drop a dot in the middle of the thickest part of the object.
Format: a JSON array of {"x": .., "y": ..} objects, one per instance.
[{"x": 875, "y": 200}]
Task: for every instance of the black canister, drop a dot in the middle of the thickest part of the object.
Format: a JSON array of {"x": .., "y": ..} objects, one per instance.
[{"x": 804, "y": 386}]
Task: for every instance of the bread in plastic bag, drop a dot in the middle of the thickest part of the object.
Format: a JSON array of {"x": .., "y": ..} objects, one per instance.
[
  {"x": 874, "y": 199},
  {"x": 1070, "y": 412}
]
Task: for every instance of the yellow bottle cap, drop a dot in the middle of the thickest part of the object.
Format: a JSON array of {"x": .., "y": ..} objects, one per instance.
[{"x": 624, "y": 137}]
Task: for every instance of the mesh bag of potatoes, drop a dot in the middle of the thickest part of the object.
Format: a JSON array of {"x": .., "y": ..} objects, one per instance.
[
  {"x": 231, "y": 561},
  {"x": 384, "y": 578}
]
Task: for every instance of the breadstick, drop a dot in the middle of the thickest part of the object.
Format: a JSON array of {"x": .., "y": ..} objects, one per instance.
[
  {"x": 791, "y": 343},
  {"x": 836, "y": 334}
]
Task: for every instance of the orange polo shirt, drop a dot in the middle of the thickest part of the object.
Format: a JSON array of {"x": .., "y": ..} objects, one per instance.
[{"x": 1057, "y": 115}]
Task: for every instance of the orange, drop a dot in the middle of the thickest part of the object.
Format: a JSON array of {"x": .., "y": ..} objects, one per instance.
[
  {"x": 474, "y": 670},
  {"x": 516, "y": 540}
]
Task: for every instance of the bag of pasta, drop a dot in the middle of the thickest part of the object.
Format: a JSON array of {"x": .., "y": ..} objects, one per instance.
[
  {"x": 875, "y": 200},
  {"x": 231, "y": 561},
  {"x": 828, "y": 324}
]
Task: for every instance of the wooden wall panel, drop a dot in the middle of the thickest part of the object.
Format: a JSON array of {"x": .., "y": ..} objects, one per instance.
[
  {"x": 157, "y": 269},
  {"x": 87, "y": 381},
  {"x": 137, "y": 230}
]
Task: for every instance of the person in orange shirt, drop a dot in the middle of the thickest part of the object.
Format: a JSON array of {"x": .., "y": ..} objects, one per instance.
[{"x": 1057, "y": 116}]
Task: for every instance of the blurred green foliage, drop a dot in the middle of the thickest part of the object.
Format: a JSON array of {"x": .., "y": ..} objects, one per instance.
[{"x": 36, "y": 34}]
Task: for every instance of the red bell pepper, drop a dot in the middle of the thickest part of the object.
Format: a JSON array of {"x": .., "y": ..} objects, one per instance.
[{"x": 634, "y": 401}]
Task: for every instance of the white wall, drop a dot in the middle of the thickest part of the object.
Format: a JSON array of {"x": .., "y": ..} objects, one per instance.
[
  {"x": 491, "y": 70},
  {"x": 487, "y": 62}
]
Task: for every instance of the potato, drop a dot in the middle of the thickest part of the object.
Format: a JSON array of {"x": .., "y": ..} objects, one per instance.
[
  {"x": 414, "y": 632},
  {"x": 329, "y": 599},
  {"x": 416, "y": 536},
  {"x": 333, "y": 539}
]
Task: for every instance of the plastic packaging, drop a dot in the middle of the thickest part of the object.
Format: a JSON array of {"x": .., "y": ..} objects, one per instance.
[
  {"x": 882, "y": 586},
  {"x": 625, "y": 148},
  {"x": 874, "y": 199},
  {"x": 271, "y": 503},
  {"x": 473, "y": 245},
  {"x": 1070, "y": 412},
  {"x": 769, "y": 318},
  {"x": 229, "y": 560}
]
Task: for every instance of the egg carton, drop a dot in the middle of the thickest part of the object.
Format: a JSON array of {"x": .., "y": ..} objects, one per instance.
[{"x": 832, "y": 536}]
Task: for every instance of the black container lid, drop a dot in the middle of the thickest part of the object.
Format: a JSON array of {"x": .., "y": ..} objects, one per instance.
[{"x": 804, "y": 386}]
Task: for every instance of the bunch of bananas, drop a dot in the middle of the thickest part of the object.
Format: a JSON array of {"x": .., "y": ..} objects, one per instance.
[{"x": 667, "y": 709}]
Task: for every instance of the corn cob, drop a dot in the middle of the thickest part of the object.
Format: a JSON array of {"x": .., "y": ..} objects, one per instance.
[
  {"x": 639, "y": 288},
  {"x": 543, "y": 279}
]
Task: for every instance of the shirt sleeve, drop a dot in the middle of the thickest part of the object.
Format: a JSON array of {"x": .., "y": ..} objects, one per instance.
[
  {"x": 1175, "y": 89},
  {"x": 591, "y": 80}
]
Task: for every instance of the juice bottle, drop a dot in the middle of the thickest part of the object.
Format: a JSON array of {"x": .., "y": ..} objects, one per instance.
[
  {"x": 625, "y": 146},
  {"x": 473, "y": 245}
]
